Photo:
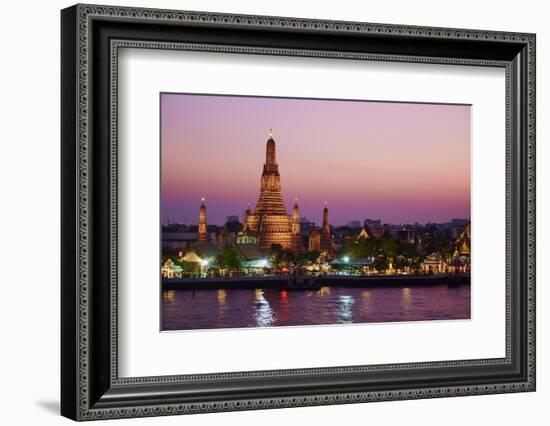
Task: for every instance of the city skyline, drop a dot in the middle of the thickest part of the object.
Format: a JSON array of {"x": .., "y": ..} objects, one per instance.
[
  {"x": 398, "y": 162},
  {"x": 304, "y": 219}
]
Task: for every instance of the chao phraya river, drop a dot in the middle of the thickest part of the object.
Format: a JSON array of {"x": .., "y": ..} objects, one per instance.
[{"x": 207, "y": 309}]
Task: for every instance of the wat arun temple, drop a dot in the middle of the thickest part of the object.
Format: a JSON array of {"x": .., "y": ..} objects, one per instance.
[{"x": 269, "y": 223}]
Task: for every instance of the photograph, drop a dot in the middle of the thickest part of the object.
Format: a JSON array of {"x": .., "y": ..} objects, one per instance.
[
  {"x": 272, "y": 208},
  {"x": 303, "y": 212}
]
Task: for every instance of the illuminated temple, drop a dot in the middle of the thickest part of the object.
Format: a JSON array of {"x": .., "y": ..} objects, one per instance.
[{"x": 269, "y": 222}]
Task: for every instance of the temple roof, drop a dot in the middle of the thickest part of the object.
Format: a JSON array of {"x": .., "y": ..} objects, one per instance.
[
  {"x": 192, "y": 257},
  {"x": 206, "y": 249},
  {"x": 250, "y": 251},
  {"x": 464, "y": 240},
  {"x": 364, "y": 233}
]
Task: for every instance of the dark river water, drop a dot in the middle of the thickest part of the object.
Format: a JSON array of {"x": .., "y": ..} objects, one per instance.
[{"x": 204, "y": 309}]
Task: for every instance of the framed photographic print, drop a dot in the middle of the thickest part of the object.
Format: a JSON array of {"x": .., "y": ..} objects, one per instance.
[{"x": 263, "y": 212}]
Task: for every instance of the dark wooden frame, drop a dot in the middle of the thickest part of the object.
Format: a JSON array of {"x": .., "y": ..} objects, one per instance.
[{"x": 90, "y": 386}]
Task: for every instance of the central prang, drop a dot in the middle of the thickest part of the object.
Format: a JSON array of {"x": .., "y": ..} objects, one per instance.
[{"x": 269, "y": 222}]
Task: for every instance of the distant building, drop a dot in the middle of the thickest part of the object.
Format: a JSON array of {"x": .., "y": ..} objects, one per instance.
[
  {"x": 459, "y": 222},
  {"x": 376, "y": 230},
  {"x": 406, "y": 235},
  {"x": 457, "y": 226},
  {"x": 306, "y": 226},
  {"x": 371, "y": 231},
  {"x": 232, "y": 219},
  {"x": 372, "y": 222},
  {"x": 229, "y": 234},
  {"x": 314, "y": 243},
  {"x": 177, "y": 241},
  {"x": 354, "y": 224}
]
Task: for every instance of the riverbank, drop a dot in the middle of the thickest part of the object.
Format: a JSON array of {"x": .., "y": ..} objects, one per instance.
[{"x": 312, "y": 283}]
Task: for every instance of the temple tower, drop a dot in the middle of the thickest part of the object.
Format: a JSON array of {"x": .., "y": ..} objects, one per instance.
[
  {"x": 202, "y": 232},
  {"x": 269, "y": 221},
  {"x": 326, "y": 240}
]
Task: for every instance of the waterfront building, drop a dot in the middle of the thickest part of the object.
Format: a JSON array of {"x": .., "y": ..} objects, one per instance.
[
  {"x": 171, "y": 270},
  {"x": 269, "y": 221},
  {"x": 205, "y": 250},
  {"x": 192, "y": 257},
  {"x": 348, "y": 265},
  {"x": 254, "y": 260},
  {"x": 326, "y": 239},
  {"x": 456, "y": 265},
  {"x": 202, "y": 231},
  {"x": 433, "y": 264}
]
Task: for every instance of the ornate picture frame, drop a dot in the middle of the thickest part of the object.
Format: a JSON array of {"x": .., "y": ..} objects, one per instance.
[{"x": 91, "y": 37}]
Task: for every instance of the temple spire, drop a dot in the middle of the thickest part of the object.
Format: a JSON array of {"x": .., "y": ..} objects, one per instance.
[
  {"x": 270, "y": 155},
  {"x": 326, "y": 239},
  {"x": 202, "y": 232},
  {"x": 326, "y": 223}
]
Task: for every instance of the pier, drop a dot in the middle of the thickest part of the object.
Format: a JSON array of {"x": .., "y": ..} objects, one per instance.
[{"x": 313, "y": 283}]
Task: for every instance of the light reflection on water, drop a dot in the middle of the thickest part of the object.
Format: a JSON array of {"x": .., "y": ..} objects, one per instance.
[
  {"x": 204, "y": 309},
  {"x": 345, "y": 313},
  {"x": 263, "y": 315}
]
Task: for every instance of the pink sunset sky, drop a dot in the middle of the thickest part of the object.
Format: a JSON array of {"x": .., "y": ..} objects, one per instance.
[{"x": 399, "y": 162}]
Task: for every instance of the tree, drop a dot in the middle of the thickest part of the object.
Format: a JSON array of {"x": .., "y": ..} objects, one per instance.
[
  {"x": 311, "y": 256},
  {"x": 280, "y": 256},
  {"x": 380, "y": 263},
  {"x": 400, "y": 262},
  {"x": 169, "y": 256},
  {"x": 187, "y": 266},
  {"x": 275, "y": 255},
  {"x": 229, "y": 258},
  {"x": 363, "y": 247},
  {"x": 389, "y": 246},
  {"x": 408, "y": 250}
]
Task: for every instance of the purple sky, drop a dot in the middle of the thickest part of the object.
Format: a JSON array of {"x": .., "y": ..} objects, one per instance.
[{"x": 400, "y": 162}]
